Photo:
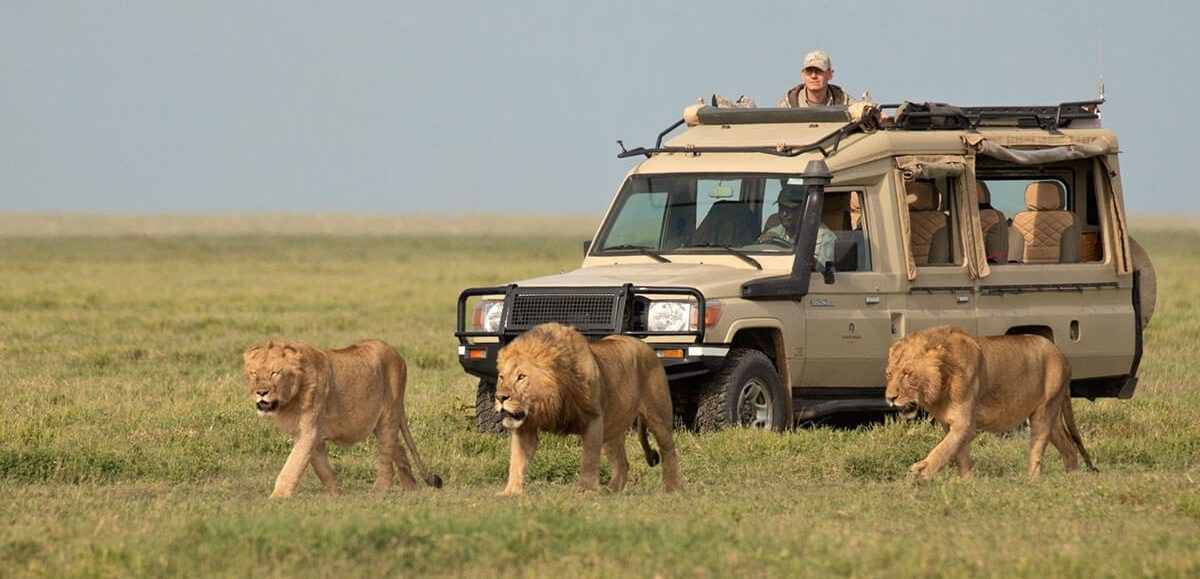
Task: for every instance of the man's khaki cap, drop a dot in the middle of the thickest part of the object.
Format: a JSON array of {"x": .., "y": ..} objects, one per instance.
[{"x": 817, "y": 59}]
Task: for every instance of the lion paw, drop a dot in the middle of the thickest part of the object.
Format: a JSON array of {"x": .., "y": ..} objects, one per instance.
[{"x": 918, "y": 469}]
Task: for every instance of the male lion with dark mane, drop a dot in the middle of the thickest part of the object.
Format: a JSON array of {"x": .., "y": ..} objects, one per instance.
[
  {"x": 988, "y": 383},
  {"x": 338, "y": 395},
  {"x": 551, "y": 378}
]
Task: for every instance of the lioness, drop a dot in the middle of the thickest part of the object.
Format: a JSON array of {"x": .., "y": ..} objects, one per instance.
[
  {"x": 339, "y": 395},
  {"x": 989, "y": 383},
  {"x": 551, "y": 378}
]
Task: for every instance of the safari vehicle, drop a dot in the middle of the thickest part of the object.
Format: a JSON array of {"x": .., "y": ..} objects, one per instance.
[{"x": 998, "y": 220}]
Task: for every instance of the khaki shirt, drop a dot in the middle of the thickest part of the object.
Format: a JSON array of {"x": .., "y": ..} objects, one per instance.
[{"x": 834, "y": 95}]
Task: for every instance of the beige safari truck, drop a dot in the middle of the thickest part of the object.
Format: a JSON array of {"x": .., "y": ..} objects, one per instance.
[{"x": 771, "y": 256}]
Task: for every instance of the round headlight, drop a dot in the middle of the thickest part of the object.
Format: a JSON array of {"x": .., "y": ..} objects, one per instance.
[
  {"x": 669, "y": 316},
  {"x": 491, "y": 312}
]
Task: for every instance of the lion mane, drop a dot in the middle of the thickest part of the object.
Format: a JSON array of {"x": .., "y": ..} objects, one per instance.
[
  {"x": 341, "y": 396},
  {"x": 993, "y": 384},
  {"x": 552, "y": 379}
]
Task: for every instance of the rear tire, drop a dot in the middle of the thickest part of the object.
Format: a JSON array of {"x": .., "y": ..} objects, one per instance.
[
  {"x": 746, "y": 392},
  {"x": 487, "y": 420}
]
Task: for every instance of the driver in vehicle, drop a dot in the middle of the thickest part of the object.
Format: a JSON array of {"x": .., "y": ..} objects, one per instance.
[{"x": 784, "y": 225}]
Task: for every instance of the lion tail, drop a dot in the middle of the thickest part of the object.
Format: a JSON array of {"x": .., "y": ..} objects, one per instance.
[
  {"x": 432, "y": 479},
  {"x": 1068, "y": 416},
  {"x": 399, "y": 378},
  {"x": 652, "y": 457}
]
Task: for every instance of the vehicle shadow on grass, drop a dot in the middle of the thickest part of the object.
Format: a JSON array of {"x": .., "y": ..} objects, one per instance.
[{"x": 845, "y": 420}]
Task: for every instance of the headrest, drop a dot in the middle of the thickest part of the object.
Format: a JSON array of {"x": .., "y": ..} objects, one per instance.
[
  {"x": 985, "y": 196},
  {"x": 921, "y": 196},
  {"x": 836, "y": 204},
  {"x": 1043, "y": 196}
]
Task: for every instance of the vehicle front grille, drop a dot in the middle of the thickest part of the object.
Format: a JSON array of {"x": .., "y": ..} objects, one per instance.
[{"x": 584, "y": 311}]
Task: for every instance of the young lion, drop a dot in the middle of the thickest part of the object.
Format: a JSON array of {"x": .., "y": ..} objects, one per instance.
[
  {"x": 339, "y": 395},
  {"x": 989, "y": 383},
  {"x": 552, "y": 379}
]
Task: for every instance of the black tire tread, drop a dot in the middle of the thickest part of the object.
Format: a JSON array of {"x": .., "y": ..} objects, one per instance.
[
  {"x": 713, "y": 407},
  {"x": 487, "y": 420}
]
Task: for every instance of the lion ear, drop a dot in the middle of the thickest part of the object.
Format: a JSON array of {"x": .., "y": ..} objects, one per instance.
[
  {"x": 292, "y": 353},
  {"x": 249, "y": 353}
]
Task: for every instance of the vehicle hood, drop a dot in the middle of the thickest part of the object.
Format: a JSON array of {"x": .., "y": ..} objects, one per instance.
[{"x": 714, "y": 281}]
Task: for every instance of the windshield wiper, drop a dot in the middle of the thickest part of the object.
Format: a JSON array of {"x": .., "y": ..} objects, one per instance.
[
  {"x": 642, "y": 249},
  {"x": 730, "y": 250}
]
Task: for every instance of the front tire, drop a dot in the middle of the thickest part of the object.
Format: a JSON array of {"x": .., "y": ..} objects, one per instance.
[
  {"x": 746, "y": 392},
  {"x": 487, "y": 420}
]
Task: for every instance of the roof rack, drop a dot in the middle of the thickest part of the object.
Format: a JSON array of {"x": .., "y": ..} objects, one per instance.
[
  {"x": 909, "y": 116},
  {"x": 826, "y": 145},
  {"x": 934, "y": 116}
]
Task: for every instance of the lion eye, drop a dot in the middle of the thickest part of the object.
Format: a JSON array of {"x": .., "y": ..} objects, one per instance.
[
  {"x": 520, "y": 377},
  {"x": 275, "y": 373}
]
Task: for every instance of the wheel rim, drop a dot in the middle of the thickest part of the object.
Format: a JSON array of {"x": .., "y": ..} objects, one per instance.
[{"x": 754, "y": 404}]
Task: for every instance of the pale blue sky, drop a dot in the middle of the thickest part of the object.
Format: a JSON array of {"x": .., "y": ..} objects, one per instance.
[{"x": 393, "y": 107}]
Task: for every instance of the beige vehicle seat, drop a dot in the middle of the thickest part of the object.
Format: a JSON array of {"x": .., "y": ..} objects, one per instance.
[
  {"x": 835, "y": 211},
  {"x": 930, "y": 242},
  {"x": 729, "y": 223},
  {"x": 993, "y": 225},
  {"x": 1047, "y": 233}
]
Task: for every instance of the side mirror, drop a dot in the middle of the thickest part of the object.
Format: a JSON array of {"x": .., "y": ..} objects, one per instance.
[
  {"x": 827, "y": 273},
  {"x": 587, "y": 245}
]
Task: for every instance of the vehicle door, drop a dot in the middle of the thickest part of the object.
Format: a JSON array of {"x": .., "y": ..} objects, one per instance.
[
  {"x": 933, "y": 218},
  {"x": 1060, "y": 277},
  {"x": 848, "y": 323}
]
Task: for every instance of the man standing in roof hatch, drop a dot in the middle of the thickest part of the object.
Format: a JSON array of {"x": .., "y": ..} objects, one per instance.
[{"x": 816, "y": 91}]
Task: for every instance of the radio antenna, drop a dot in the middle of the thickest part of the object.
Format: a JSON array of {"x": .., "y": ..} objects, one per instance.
[{"x": 1100, "y": 57}]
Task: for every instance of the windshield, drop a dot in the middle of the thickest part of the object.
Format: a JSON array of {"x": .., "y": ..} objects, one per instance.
[{"x": 703, "y": 213}]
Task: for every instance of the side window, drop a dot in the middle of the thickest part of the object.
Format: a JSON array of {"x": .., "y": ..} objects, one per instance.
[
  {"x": 932, "y": 218},
  {"x": 1047, "y": 222},
  {"x": 843, "y": 237}
]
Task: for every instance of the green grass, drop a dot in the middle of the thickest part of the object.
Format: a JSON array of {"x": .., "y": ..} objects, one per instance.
[{"x": 127, "y": 444}]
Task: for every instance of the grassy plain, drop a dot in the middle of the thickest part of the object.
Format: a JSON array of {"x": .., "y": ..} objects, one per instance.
[{"x": 128, "y": 447}]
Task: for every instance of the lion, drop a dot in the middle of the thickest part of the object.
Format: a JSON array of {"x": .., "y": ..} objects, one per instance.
[
  {"x": 553, "y": 379},
  {"x": 991, "y": 383},
  {"x": 337, "y": 395}
]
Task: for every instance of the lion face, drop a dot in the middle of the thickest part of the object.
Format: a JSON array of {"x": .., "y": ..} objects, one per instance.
[
  {"x": 273, "y": 376},
  {"x": 912, "y": 374},
  {"x": 516, "y": 388}
]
